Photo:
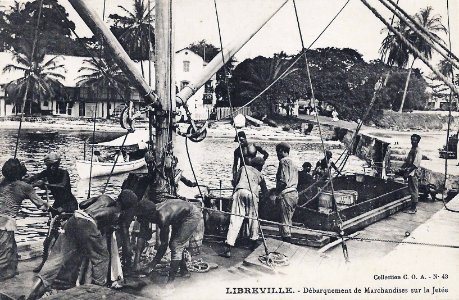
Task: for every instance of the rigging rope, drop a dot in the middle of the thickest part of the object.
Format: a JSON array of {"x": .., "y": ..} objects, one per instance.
[
  {"x": 334, "y": 234},
  {"x": 32, "y": 61},
  {"x": 299, "y": 56},
  {"x": 92, "y": 153},
  {"x": 449, "y": 121},
  {"x": 423, "y": 33},
  {"x": 96, "y": 63},
  {"x": 114, "y": 163},
  {"x": 235, "y": 129},
  {"x": 412, "y": 47},
  {"x": 335, "y": 206}
]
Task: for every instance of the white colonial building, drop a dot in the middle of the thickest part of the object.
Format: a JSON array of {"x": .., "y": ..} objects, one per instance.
[
  {"x": 83, "y": 101},
  {"x": 188, "y": 66}
]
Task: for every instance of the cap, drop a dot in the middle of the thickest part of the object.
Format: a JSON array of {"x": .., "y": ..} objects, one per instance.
[
  {"x": 283, "y": 145},
  {"x": 240, "y": 134},
  {"x": 13, "y": 169},
  {"x": 307, "y": 164},
  {"x": 416, "y": 136},
  {"x": 52, "y": 158}
]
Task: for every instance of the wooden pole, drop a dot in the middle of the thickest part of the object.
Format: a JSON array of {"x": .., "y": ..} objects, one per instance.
[
  {"x": 98, "y": 27},
  {"x": 217, "y": 63},
  {"x": 164, "y": 83}
]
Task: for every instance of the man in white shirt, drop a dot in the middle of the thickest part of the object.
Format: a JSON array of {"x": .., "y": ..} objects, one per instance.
[{"x": 412, "y": 168}]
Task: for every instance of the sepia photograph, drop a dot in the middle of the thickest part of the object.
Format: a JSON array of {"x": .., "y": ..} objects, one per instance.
[{"x": 229, "y": 149}]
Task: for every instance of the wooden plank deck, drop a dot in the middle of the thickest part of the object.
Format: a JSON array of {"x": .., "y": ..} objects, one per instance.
[
  {"x": 91, "y": 292},
  {"x": 297, "y": 255},
  {"x": 441, "y": 229}
]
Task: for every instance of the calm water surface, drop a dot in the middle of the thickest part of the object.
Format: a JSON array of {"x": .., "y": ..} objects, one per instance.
[{"x": 211, "y": 159}]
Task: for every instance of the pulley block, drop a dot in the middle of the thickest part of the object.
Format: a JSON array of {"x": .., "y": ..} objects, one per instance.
[
  {"x": 126, "y": 119},
  {"x": 196, "y": 133}
]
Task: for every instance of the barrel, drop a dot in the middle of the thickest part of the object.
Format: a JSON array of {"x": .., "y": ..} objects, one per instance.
[{"x": 195, "y": 243}]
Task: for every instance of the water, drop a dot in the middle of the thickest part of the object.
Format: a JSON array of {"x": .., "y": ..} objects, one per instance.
[{"x": 211, "y": 159}]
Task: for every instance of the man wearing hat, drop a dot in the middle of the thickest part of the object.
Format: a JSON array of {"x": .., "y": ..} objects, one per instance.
[
  {"x": 246, "y": 151},
  {"x": 286, "y": 189},
  {"x": 249, "y": 183},
  {"x": 412, "y": 170},
  {"x": 57, "y": 180}
]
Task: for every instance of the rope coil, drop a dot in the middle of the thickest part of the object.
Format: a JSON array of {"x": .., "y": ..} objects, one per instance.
[{"x": 274, "y": 259}]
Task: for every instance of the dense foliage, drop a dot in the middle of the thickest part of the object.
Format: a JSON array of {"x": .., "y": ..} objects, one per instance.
[
  {"x": 19, "y": 23},
  {"x": 339, "y": 77}
]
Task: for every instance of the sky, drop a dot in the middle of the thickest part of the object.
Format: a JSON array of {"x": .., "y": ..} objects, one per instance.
[{"x": 356, "y": 27}]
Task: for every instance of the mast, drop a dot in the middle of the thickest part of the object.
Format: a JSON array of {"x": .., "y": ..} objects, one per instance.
[{"x": 165, "y": 85}]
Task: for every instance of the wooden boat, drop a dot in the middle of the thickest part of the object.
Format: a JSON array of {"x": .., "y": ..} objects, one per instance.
[
  {"x": 361, "y": 200},
  {"x": 449, "y": 151},
  {"x": 133, "y": 141},
  {"x": 254, "y": 121},
  {"x": 42, "y": 134},
  {"x": 104, "y": 168}
]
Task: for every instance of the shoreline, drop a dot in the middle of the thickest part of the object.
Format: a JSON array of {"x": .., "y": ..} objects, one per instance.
[{"x": 218, "y": 130}]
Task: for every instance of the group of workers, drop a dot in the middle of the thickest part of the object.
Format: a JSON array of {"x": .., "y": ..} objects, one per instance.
[
  {"x": 249, "y": 184},
  {"x": 88, "y": 227}
]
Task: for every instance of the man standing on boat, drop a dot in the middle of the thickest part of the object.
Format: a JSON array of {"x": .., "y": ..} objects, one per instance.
[
  {"x": 249, "y": 151},
  {"x": 249, "y": 183},
  {"x": 286, "y": 189},
  {"x": 324, "y": 166},
  {"x": 57, "y": 180},
  {"x": 412, "y": 169}
]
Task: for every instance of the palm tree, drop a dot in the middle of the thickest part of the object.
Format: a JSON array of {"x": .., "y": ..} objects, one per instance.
[
  {"x": 393, "y": 50},
  {"x": 261, "y": 75},
  {"x": 432, "y": 24},
  {"x": 397, "y": 53},
  {"x": 41, "y": 77},
  {"x": 103, "y": 74},
  {"x": 136, "y": 30},
  {"x": 447, "y": 69}
]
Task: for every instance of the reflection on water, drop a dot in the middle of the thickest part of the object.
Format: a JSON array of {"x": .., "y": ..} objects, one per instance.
[{"x": 212, "y": 162}]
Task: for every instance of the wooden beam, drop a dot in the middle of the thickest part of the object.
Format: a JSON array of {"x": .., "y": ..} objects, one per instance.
[
  {"x": 221, "y": 58},
  {"x": 98, "y": 27},
  {"x": 165, "y": 85}
]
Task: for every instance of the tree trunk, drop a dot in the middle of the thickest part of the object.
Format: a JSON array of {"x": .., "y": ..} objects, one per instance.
[{"x": 406, "y": 86}]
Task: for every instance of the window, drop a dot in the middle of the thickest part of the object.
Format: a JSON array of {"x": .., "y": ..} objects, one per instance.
[
  {"x": 186, "y": 66},
  {"x": 45, "y": 103},
  {"x": 183, "y": 84}
]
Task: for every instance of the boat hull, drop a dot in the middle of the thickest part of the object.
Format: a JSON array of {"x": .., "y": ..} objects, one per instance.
[
  {"x": 374, "y": 195},
  {"x": 104, "y": 168}
]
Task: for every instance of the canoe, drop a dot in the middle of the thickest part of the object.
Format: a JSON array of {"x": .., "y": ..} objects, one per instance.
[
  {"x": 254, "y": 121},
  {"x": 104, "y": 168},
  {"x": 42, "y": 134}
]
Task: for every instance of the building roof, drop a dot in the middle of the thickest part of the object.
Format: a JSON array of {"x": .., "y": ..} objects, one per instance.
[{"x": 72, "y": 64}]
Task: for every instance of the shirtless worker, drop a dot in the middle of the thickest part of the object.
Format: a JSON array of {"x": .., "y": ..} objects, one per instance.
[
  {"x": 249, "y": 151},
  {"x": 182, "y": 216},
  {"x": 84, "y": 237}
]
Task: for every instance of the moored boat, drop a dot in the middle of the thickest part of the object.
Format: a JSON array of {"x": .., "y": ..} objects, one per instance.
[{"x": 105, "y": 168}]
